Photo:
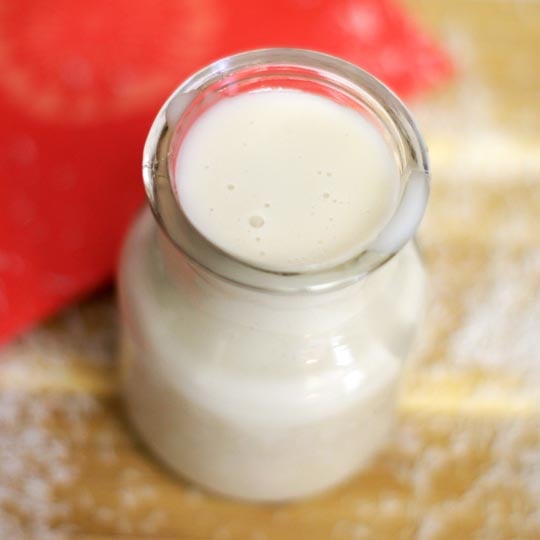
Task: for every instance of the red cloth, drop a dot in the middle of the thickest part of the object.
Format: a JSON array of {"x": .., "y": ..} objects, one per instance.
[{"x": 80, "y": 84}]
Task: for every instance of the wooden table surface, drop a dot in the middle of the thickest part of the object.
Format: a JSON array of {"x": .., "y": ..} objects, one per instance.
[{"x": 465, "y": 459}]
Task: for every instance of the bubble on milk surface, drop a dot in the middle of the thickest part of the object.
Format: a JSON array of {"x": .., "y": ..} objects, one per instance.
[{"x": 256, "y": 221}]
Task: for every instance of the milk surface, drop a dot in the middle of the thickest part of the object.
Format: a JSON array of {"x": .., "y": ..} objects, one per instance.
[{"x": 286, "y": 180}]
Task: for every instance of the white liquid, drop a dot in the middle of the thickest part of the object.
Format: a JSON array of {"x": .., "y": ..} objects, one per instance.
[{"x": 286, "y": 179}]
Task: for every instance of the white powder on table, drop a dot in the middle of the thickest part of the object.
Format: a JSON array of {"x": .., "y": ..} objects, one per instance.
[
  {"x": 501, "y": 327},
  {"x": 34, "y": 463}
]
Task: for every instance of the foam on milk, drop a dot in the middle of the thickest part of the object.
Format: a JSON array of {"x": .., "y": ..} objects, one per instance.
[{"x": 286, "y": 179}]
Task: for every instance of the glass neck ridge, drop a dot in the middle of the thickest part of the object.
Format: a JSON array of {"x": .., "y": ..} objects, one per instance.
[{"x": 301, "y": 70}]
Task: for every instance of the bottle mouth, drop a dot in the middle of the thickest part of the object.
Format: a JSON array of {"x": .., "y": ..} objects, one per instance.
[{"x": 307, "y": 71}]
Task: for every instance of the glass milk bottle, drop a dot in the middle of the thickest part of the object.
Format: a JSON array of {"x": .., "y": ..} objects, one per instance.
[{"x": 270, "y": 297}]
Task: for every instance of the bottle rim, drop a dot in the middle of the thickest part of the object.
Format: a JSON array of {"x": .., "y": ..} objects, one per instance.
[{"x": 276, "y": 68}]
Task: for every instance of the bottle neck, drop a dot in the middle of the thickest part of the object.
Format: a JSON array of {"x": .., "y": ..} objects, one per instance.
[{"x": 300, "y": 313}]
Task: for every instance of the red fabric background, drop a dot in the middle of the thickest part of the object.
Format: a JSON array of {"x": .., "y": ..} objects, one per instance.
[{"x": 80, "y": 84}]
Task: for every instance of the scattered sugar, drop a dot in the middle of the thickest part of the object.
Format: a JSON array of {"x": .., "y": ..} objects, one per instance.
[
  {"x": 35, "y": 463},
  {"x": 135, "y": 495},
  {"x": 87, "y": 333},
  {"x": 457, "y": 478},
  {"x": 129, "y": 500},
  {"x": 467, "y": 138},
  {"x": 499, "y": 331},
  {"x": 431, "y": 526},
  {"x": 391, "y": 506}
]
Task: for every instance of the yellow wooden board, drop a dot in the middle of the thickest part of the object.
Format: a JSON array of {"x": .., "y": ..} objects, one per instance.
[{"x": 465, "y": 459}]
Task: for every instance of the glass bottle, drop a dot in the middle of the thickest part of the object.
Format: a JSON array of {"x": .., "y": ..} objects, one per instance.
[{"x": 257, "y": 384}]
